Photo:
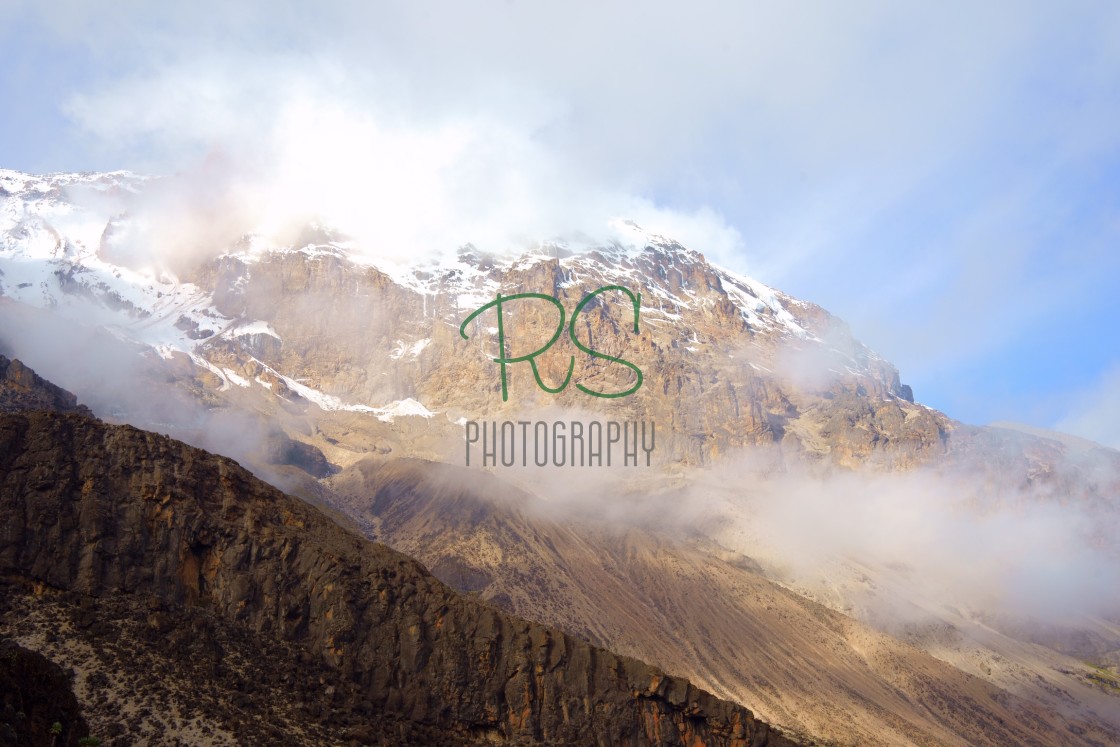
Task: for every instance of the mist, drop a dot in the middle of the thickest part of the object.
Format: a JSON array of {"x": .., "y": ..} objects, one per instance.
[
  {"x": 1093, "y": 411},
  {"x": 896, "y": 548},
  {"x": 123, "y": 382},
  {"x": 942, "y": 537},
  {"x": 890, "y": 548}
]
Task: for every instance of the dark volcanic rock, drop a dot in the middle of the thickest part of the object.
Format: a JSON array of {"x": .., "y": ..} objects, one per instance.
[{"x": 107, "y": 511}]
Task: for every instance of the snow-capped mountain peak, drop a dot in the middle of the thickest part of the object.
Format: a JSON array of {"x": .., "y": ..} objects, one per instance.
[{"x": 74, "y": 245}]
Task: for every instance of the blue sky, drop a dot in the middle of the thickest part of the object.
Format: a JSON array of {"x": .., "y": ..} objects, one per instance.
[{"x": 945, "y": 179}]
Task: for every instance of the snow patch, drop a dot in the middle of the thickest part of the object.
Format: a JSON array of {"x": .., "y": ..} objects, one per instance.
[
  {"x": 253, "y": 328},
  {"x": 238, "y": 380},
  {"x": 404, "y": 408},
  {"x": 410, "y": 352}
]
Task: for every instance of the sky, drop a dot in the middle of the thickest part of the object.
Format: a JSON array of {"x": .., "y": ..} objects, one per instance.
[{"x": 945, "y": 177}]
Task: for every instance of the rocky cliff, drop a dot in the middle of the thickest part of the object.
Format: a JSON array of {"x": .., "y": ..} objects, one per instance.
[
  {"x": 23, "y": 389},
  {"x": 117, "y": 516}
]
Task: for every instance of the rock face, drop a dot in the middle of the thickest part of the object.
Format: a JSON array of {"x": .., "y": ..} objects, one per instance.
[
  {"x": 728, "y": 363},
  {"x": 106, "y": 511},
  {"x": 23, "y": 389}
]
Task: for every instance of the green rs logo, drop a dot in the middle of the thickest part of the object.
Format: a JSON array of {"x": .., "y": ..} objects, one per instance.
[{"x": 503, "y": 361}]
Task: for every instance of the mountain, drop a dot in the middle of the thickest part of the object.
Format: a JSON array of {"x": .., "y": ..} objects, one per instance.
[
  {"x": 199, "y": 599},
  {"x": 353, "y": 337},
  {"x": 350, "y": 352},
  {"x": 344, "y": 376}
]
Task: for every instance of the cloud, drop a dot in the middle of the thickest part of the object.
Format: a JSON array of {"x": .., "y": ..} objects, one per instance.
[
  {"x": 928, "y": 173},
  {"x": 305, "y": 150},
  {"x": 922, "y": 542},
  {"x": 942, "y": 540},
  {"x": 891, "y": 548},
  {"x": 787, "y": 115},
  {"x": 1095, "y": 413}
]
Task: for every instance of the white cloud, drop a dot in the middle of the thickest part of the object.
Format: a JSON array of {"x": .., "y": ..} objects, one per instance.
[
  {"x": 781, "y": 114},
  {"x": 300, "y": 140},
  {"x": 917, "y": 169},
  {"x": 1095, "y": 413}
]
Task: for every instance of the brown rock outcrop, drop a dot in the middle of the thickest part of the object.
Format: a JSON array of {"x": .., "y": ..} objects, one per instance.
[{"x": 23, "y": 389}]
